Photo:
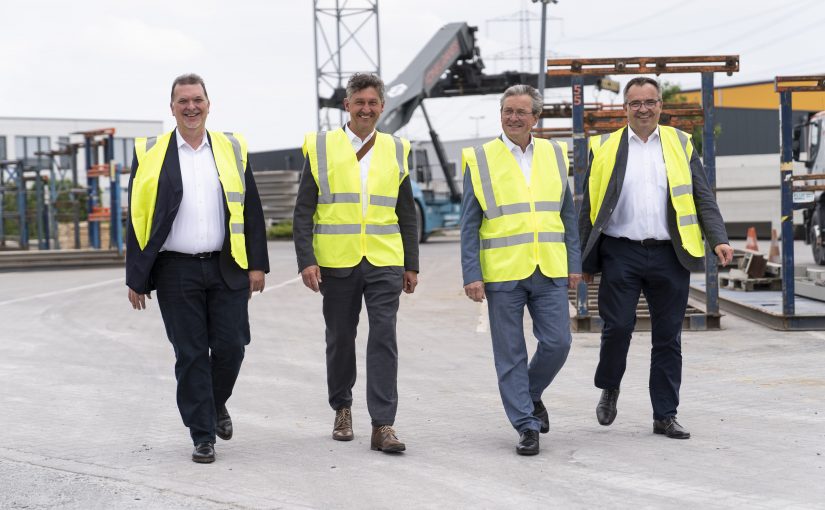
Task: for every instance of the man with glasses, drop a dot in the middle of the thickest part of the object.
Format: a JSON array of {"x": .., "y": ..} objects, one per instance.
[
  {"x": 520, "y": 247},
  {"x": 646, "y": 205}
]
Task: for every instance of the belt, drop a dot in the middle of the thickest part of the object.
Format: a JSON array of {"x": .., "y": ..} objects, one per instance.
[
  {"x": 179, "y": 255},
  {"x": 646, "y": 242}
]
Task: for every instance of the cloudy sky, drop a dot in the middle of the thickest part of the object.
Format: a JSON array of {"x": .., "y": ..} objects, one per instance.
[{"x": 116, "y": 59}]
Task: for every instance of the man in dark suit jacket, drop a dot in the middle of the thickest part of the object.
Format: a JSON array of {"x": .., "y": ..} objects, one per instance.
[
  {"x": 356, "y": 237},
  {"x": 642, "y": 234},
  {"x": 196, "y": 234}
]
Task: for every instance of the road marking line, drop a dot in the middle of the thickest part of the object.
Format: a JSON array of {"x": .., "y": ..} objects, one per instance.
[
  {"x": 64, "y": 291},
  {"x": 483, "y": 319},
  {"x": 282, "y": 284}
]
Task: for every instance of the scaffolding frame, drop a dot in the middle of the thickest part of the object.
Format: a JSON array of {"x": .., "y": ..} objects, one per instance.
[{"x": 707, "y": 66}]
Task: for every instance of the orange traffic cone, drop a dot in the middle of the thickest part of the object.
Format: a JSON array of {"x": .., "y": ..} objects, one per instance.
[
  {"x": 751, "y": 242},
  {"x": 773, "y": 252}
]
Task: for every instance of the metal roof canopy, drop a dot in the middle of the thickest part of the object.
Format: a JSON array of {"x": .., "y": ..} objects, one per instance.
[{"x": 577, "y": 68}]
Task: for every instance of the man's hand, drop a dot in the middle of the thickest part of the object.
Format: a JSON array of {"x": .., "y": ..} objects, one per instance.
[
  {"x": 410, "y": 281},
  {"x": 137, "y": 300},
  {"x": 312, "y": 277},
  {"x": 573, "y": 280},
  {"x": 475, "y": 291},
  {"x": 724, "y": 252},
  {"x": 587, "y": 277},
  {"x": 256, "y": 282}
]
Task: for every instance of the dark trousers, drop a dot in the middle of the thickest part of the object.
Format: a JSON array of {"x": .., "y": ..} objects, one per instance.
[
  {"x": 628, "y": 269},
  {"x": 380, "y": 288},
  {"x": 208, "y": 326}
]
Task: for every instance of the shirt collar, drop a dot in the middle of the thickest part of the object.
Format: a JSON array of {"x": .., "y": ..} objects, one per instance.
[
  {"x": 355, "y": 138},
  {"x": 182, "y": 142},
  {"x": 510, "y": 145},
  {"x": 632, "y": 134}
]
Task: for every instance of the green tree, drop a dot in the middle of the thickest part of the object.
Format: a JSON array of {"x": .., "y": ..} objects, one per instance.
[{"x": 672, "y": 93}]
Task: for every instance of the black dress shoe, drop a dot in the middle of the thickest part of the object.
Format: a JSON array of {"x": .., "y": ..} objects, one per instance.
[
  {"x": 204, "y": 453},
  {"x": 223, "y": 427},
  {"x": 540, "y": 412},
  {"x": 671, "y": 428},
  {"x": 528, "y": 443},
  {"x": 606, "y": 409}
]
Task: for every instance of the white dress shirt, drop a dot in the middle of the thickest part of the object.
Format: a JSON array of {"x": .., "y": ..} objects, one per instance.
[
  {"x": 357, "y": 143},
  {"x": 641, "y": 211},
  {"x": 199, "y": 224},
  {"x": 523, "y": 158}
]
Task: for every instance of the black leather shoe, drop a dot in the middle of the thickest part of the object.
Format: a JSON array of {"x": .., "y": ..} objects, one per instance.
[
  {"x": 606, "y": 409},
  {"x": 204, "y": 453},
  {"x": 528, "y": 443},
  {"x": 223, "y": 427},
  {"x": 540, "y": 412},
  {"x": 671, "y": 428}
]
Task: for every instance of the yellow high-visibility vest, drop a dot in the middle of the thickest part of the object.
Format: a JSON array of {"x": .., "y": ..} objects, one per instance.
[
  {"x": 342, "y": 234},
  {"x": 677, "y": 150},
  {"x": 230, "y": 152},
  {"x": 522, "y": 226}
]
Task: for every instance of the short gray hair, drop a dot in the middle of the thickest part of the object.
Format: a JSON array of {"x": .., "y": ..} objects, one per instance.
[
  {"x": 525, "y": 90},
  {"x": 361, "y": 81},
  {"x": 641, "y": 81},
  {"x": 188, "y": 79}
]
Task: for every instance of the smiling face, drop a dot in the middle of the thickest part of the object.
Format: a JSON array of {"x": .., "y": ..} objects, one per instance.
[
  {"x": 364, "y": 108},
  {"x": 517, "y": 117},
  {"x": 644, "y": 120},
  {"x": 190, "y": 107}
]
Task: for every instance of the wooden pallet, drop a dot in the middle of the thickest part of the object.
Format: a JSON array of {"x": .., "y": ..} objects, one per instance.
[
  {"x": 750, "y": 284},
  {"x": 694, "y": 319}
]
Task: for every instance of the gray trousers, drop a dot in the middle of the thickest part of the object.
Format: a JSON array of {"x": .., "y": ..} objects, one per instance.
[
  {"x": 380, "y": 288},
  {"x": 521, "y": 383}
]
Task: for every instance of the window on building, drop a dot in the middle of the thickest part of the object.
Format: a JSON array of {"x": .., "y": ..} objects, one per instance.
[
  {"x": 64, "y": 160},
  {"x": 124, "y": 148},
  {"x": 2, "y": 148},
  {"x": 27, "y": 147}
]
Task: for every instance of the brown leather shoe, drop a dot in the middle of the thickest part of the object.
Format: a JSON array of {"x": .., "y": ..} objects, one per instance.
[
  {"x": 342, "y": 429},
  {"x": 385, "y": 440}
]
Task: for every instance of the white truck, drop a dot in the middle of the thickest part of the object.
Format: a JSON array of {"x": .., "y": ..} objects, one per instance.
[{"x": 809, "y": 138}]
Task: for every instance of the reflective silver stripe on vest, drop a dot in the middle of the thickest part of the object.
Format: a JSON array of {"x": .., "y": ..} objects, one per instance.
[
  {"x": 340, "y": 198},
  {"x": 503, "y": 242},
  {"x": 382, "y": 200},
  {"x": 548, "y": 206},
  {"x": 337, "y": 229},
  {"x": 324, "y": 196},
  {"x": 399, "y": 155},
  {"x": 684, "y": 139},
  {"x": 690, "y": 219},
  {"x": 236, "y": 147},
  {"x": 150, "y": 142},
  {"x": 383, "y": 229},
  {"x": 236, "y": 228},
  {"x": 560, "y": 164},
  {"x": 234, "y": 196},
  {"x": 487, "y": 185},
  {"x": 551, "y": 237},
  {"x": 684, "y": 189}
]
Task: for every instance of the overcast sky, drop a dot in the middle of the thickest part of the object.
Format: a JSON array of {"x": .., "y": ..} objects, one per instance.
[{"x": 116, "y": 59}]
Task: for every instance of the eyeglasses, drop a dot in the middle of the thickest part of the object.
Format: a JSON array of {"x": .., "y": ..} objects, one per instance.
[
  {"x": 637, "y": 105},
  {"x": 509, "y": 112}
]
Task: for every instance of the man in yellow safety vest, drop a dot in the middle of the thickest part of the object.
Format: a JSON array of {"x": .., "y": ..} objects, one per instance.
[
  {"x": 356, "y": 237},
  {"x": 646, "y": 204},
  {"x": 196, "y": 234},
  {"x": 520, "y": 247}
]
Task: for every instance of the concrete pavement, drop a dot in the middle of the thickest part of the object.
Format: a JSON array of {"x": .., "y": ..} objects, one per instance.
[{"x": 87, "y": 408}]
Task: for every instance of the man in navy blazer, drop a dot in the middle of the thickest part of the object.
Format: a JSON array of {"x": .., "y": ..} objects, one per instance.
[
  {"x": 188, "y": 258},
  {"x": 634, "y": 239}
]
